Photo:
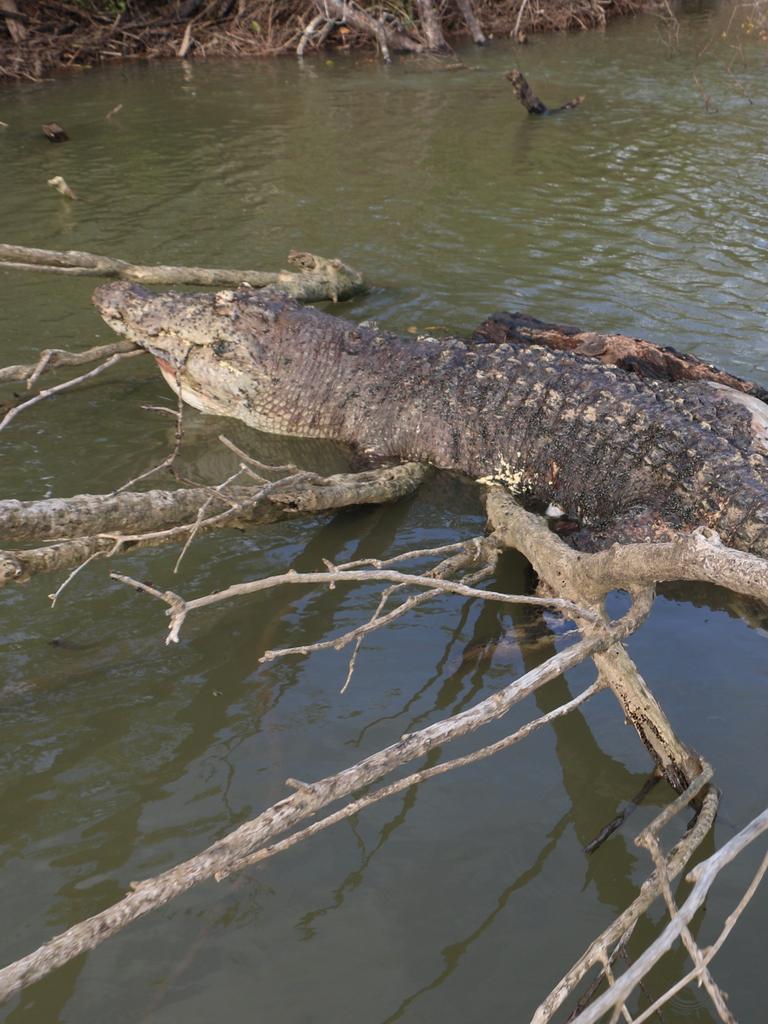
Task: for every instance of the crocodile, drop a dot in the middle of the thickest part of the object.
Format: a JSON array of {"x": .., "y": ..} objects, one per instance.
[{"x": 625, "y": 457}]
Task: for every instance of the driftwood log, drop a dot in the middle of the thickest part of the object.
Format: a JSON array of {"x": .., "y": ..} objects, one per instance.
[
  {"x": 634, "y": 355},
  {"x": 314, "y": 279}
]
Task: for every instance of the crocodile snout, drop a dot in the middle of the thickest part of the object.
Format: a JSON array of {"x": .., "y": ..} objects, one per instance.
[{"x": 120, "y": 301}]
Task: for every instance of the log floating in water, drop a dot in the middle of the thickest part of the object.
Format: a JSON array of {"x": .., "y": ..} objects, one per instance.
[
  {"x": 314, "y": 278},
  {"x": 634, "y": 355}
]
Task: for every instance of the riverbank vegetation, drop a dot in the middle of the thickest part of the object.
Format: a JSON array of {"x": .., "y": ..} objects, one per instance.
[{"x": 38, "y": 37}]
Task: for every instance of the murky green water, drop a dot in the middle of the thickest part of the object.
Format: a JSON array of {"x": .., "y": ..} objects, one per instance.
[{"x": 466, "y": 899}]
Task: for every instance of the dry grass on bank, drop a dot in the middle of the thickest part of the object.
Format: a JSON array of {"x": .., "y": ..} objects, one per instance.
[{"x": 38, "y": 37}]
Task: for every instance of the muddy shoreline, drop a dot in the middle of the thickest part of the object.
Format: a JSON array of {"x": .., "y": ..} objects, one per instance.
[{"x": 40, "y": 37}]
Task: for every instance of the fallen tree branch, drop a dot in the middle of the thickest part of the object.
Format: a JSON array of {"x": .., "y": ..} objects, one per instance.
[
  {"x": 52, "y": 358},
  {"x": 14, "y": 411},
  {"x": 635, "y": 355},
  {"x": 179, "y": 608},
  {"x": 389, "y": 35},
  {"x": 92, "y": 524},
  {"x": 356, "y": 806},
  {"x": 715, "y": 993},
  {"x": 709, "y": 953},
  {"x": 168, "y": 460},
  {"x": 569, "y": 573},
  {"x": 316, "y": 31},
  {"x": 678, "y": 857},
  {"x": 315, "y": 279},
  {"x": 225, "y": 855},
  {"x": 463, "y": 556},
  {"x": 14, "y": 20},
  {"x": 563, "y": 570},
  {"x": 695, "y": 557},
  {"x": 703, "y": 877}
]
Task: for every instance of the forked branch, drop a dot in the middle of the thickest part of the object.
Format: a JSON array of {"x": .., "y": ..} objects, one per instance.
[{"x": 237, "y": 848}]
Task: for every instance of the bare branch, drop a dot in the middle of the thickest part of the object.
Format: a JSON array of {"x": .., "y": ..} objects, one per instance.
[
  {"x": 50, "y": 392},
  {"x": 51, "y": 358},
  {"x": 677, "y": 858},
  {"x": 572, "y": 574},
  {"x": 172, "y": 455},
  {"x": 356, "y": 806},
  {"x": 357, "y": 576},
  {"x": 223, "y": 856},
  {"x": 699, "y": 556},
  {"x": 87, "y": 514},
  {"x": 703, "y": 875},
  {"x": 389, "y": 36},
  {"x": 471, "y": 552},
  {"x": 103, "y": 525},
  {"x": 712, "y": 950},
  {"x": 651, "y": 843},
  {"x": 315, "y": 279},
  {"x": 288, "y": 468}
]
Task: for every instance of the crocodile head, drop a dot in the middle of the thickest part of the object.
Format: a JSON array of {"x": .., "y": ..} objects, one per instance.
[{"x": 230, "y": 353}]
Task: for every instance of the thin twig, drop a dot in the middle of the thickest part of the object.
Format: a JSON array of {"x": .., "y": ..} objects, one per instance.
[
  {"x": 360, "y": 576},
  {"x": 703, "y": 876},
  {"x": 178, "y": 438},
  {"x": 58, "y": 388},
  {"x": 288, "y": 468},
  {"x": 52, "y": 358},
  {"x": 712, "y": 950}
]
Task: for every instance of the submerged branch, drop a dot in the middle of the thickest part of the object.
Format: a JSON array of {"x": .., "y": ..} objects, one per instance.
[
  {"x": 703, "y": 876},
  {"x": 238, "y": 846},
  {"x": 103, "y": 524}
]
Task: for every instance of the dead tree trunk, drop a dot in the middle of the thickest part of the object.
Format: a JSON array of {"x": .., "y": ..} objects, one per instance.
[
  {"x": 431, "y": 27},
  {"x": 475, "y": 29}
]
